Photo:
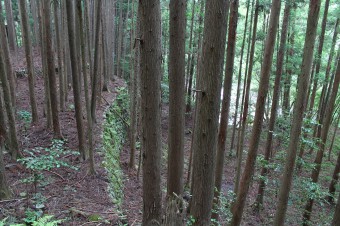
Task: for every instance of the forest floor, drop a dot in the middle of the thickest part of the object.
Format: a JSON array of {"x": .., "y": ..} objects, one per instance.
[{"x": 83, "y": 199}]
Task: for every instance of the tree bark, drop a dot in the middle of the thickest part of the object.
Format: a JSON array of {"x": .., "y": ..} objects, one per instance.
[
  {"x": 326, "y": 122},
  {"x": 224, "y": 116},
  {"x": 29, "y": 59},
  {"x": 275, "y": 103},
  {"x": 176, "y": 109},
  {"x": 11, "y": 26},
  {"x": 60, "y": 55},
  {"x": 238, "y": 207},
  {"x": 7, "y": 60},
  {"x": 14, "y": 145},
  {"x": 295, "y": 132},
  {"x": 75, "y": 75},
  {"x": 207, "y": 112},
  {"x": 96, "y": 66},
  {"x": 151, "y": 71},
  {"x": 51, "y": 70}
]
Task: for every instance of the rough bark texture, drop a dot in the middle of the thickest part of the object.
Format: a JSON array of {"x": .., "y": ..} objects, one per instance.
[
  {"x": 238, "y": 207},
  {"x": 75, "y": 78},
  {"x": 151, "y": 71},
  {"x": 176, "y": 98},
  {"x": 56, "y": 5},
  {"x": 29, "y": 60},
  {"x": 224, "y": 116},
  {"x": 51, "y": 71},
  {"x": 207, "y": 112},
  {"x": 275, "y": 102},
  {"x": 176, "y": 109},
  {"x": 14, "y": 145},
  {"x": 295, "y": 132}
]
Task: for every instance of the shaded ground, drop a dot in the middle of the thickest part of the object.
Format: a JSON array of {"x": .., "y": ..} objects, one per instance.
[{"x": 70, "y": 194}]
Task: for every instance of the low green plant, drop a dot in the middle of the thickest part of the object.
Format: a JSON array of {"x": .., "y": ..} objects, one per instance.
[
  {"x": 40, "y": 159},
  {"x": 114, "y": 136},
  {"x": 34, "y": 220},
  {"x": 26, "y": 117}
]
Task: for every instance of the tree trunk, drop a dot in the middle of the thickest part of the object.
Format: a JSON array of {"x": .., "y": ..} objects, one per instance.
[
  {"x": 238, "y": 207},
  {"x": 135, "y": 89},
  {"x": 224, "y": 116},
  {"x": 151, "y": 70},
  {"x": 96, "y": 66},
  {"x": 51, "y": 70},
  {"x": 176, "y": 110},
  {"x": 295, "y": 132},
  {"x": 10, "y": 26},
  {"x": 14, "y": 145},
  {"x": 207, "y": 112},
  {"x": 120, "y": 39},
  {"x": 240, "y": 75},
  {"x": 60, "y": 55},
  {"x": 319, "y": 55},
  {"x": 244, "y": 115},
  {"x": 7, "y": 60},
  {"x": 275, "y": 103},
  {"x": 29, "y": 59},
  {"x": 75, "y": 74},
  {"x": 326, "y": 122}
]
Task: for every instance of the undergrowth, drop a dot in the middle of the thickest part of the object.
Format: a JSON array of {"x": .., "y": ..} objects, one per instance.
[{"x": 114, "y": 136}]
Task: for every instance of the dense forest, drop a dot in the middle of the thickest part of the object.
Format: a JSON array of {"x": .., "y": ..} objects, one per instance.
[{"x": 169, "y": 112}]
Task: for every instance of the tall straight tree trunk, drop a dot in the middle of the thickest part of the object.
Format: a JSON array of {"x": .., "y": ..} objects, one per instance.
[
  {"x": 51, "y": 70},
  {"x": 134, "y": 77},
  {"x": 295, "y": 132},
  {"x": 275, "y": 102},
  {"x": 10, "y": 25},
  {"x": 289, "y": 71},
  {"x": 207, "y": 112},
  {"x": 7, "y": 60},
  {"x": 240, "y": 75},
  {"x": 96, "y": 66},
  {"x": 326, "y": 122},
  {"x": 34, "y": 10},
  {"x": 151, "y": 71},
  {"x": 224, "y": 120},
  {"x": 190, "y": 51},
  {"x": 319, "y": 55},
  {"x": 86, "y": 86},
  {"x": 176, "y": 110},
  {"x": 43, "y": 50},
  {"x": 59, "y": 46},
  {"x": 14, "y": 144},
  {"x": 244, "y": 114},
  {"x": 336, "y": 216},
  {"x": 75, "y": 75},
  {"x": 237, "y": 209},
  {"x": 29, "y": 59},
  {"x": 120, "y": 39}
]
